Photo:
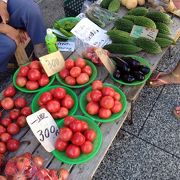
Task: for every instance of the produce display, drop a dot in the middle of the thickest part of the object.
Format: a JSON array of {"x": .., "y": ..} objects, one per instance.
[
  {"x": 27, "y": 166},
  {"x": 78, "y": 141},
  {"x": 31, "y": 78},
  {"x": 77, "y": 73},
  {"x": 59, "y": 101},
  {"x": 103, "y": 102}
]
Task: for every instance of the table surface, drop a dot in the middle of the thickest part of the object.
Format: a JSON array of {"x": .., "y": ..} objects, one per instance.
[{"x": 109, "y": 130}]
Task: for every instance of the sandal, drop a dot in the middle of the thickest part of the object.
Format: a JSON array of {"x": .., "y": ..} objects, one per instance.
[{"x": 176, "y": 112}]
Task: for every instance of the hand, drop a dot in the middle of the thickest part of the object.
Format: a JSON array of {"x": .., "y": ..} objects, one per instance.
[
  {"x": 4, "y": 13},
  {"x": 23, "y": 36}
]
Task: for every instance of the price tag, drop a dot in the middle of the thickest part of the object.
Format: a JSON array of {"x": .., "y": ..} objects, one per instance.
[
  {"x": 105, "y": 60},
  {"x": 44, "y": 128},
  {"x": 140, "y": 31},
  {"x": 66, "y": 46},
  {"x": 52, "y": 63},
  {"x": 90, "y": 33}
]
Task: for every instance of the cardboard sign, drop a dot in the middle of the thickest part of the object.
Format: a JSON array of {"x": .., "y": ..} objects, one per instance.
[
  {"x": 66, "y": 46},
  {"x": 52, "y": 63},
  {"x": 140, "y": 31},
  {"x": 90, "y": 33},
  {"x": 105, "y": 60},
  {"x": 44, "y": 128}
]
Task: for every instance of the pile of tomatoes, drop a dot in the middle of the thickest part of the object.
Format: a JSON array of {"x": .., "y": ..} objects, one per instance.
[
  {"x": 16, "y": 119},
  {"x": 32, "y": 76},
  {"x": 76, "y": 72},
  {"x": 57, "y": 102},
  {"x": 103, "y": 101},
  {"x": 75, "y": 138}
]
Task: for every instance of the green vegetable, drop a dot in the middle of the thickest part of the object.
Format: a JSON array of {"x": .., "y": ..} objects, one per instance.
[
  {"x": 139, "y": 11},
  {"x": 163, "y": 42},
  {"x": 124, "y": 25},
  {"x": 122, "y": 48},
  {"x": 144, "y": 21},
  {"x": 130, "y": 17},
  {"x": 114, "y": 6},
  {"x": 163, "y": 28},
  {"x": 105, "y": 3},
  {"x": 161, "y": 35},
  {"x": 148, "y": 45},
  {"x": 66, "y": 33}
]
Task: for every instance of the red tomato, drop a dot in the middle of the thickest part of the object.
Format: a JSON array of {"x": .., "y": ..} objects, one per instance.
[
  {"x": 13, "y": 129},
  {"x": 107, "y": 102},
  {"x": 64, "y": 73},
  {"x": 76, "y": 126},
  {"x": 61, "y": 145},
  {"x": 87, "y": 147},
  {"x": 7, "y": 103},
  {"x": 24, "y": 71},
  {"x": 22, "y": 163},
  {"x": 35, "y": 65},
  {"x": 32, "y": 85},
  {"x": 108, "y": 91},
  {"x": 67, "y": 102},
  {"x": 45, "y": 97},
  {"x": 69, "y": 63},
  {"x": 4, "y": 137},
  {"x": 83, "y": 78},
  {"x": 104, "y": 113},
  {"x": 2, "y": 129},
  {"x": 96, "y": 95},
  {"x": 53, "y": 106},
  {"x": 117, "y": 107},
  {"x": 73, "y": 151},
  {"x": 20, "y": 102},
  {"x": 44, "y": 80},
  {"x": 68, "y": 120},
  {"x": 21, "y": 121},
  {"x": 78, "y": 139},
  {"x": 21, "y": 81},
  {"x": 117, "y": 96},
  {"x": 12, "y": 145},
  {"x": 5, "y": 121},
  {"x": 26, "y": 111},
  {"x": 3, "y": 148},
  {"x": 90, "y": 135},
  {"x": 84, "y": 126},
  {"x": 88, "y": 97},
  {"x": 59, "y": 93},
  {"x": 80, "y": 62},
  {"x": 14, "y": 114},
  {"x": 10, "y": 91},
  {"x": 75, "y": 72},
  {"x": 97, "y": 85},
  {"x": 65, "y": 134},
  {"x": 70, "y": 80},
  {"x": 34, "y": 75},
  {"x": 63, "y": 112},
  {"x": 92, "y": 108},
  {"x": 87, "y": 69}
]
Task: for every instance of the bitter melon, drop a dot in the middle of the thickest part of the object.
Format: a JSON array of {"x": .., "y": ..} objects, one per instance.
[
  {"x": 122, "y": 48},
  {"x": 130, "y": 17},
  {"x": 163, "y": 42},
  {"x": 163, "y": 28},
  {"x": 159, "y": 17},
  {"x": 161, "y": 35},
  {"x": 114, "y": 6},
  {"x": 148, "y": 45},
  {"x": 144, "y": 21},
  {"x": 139, "y": 11},
  {"x": 105, "y": 3},
  {"x": 124, "y": 25}
]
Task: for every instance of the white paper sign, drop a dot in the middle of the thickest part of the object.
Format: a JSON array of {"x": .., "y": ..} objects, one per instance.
[
  {"x": 44, "y": 128},
  {"x": 66, "y": 46},
  {"x": 81, "y": 16},
  {"x": 90, "y": 33}
]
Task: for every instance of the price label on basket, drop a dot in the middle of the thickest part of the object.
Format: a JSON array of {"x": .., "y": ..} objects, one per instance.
[
  {"x": 105, "y": 59},
  {"x": 66, "y": 46},
  {"x": 52, "y": 63},
  {"x": 140, "y": 31},
  {"x": 90, "y": 33},
  {"x": 44, "y": 128}
]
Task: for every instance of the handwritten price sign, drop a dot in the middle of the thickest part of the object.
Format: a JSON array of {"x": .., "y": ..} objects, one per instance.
[{"x": 44, "y": 128}]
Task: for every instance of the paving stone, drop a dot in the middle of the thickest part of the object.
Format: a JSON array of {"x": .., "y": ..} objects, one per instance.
[
  {"x": 133, "y": 159},
  {"x": 161, "y": 127}
]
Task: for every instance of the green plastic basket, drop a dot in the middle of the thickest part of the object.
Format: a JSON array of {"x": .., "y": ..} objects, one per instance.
[
  {"x": 91, "y": 79},
  {"x": 135, "y": 83},
  {"x": 23, "y": 89},
  {"x": 83, "y": 103},
  {"x": 35, "y": 106},
  {"x": 61, "y": 156}
]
